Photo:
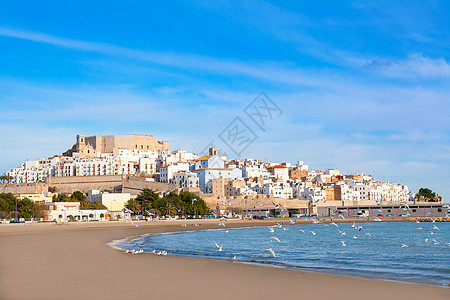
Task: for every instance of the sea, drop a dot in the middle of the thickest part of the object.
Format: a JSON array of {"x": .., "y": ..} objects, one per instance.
[{"x": 399, "y": 251}]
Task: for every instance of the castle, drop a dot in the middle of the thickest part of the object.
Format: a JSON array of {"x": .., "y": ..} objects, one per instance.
[{"x": 91, "y": 145}]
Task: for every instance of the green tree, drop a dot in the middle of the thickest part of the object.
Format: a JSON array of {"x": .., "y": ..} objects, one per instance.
[
  {"x": 144, "y": 201},
  {"x": 133, "y": 205},
  {"x": 7, "y": 202},
  {"x": 26, "y": 207},
  {"x": 426, "y": 193},
  {"x": 60, "y": 198},
  {"x": 77, "y": 197},
  {"x": 190, "y": 205}
]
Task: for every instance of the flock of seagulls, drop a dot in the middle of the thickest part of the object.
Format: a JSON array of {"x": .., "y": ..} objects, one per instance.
[{"x": 271, "y": 251}]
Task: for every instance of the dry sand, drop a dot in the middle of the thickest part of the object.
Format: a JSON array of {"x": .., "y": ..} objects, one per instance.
[{"x": 73, "y": 262}]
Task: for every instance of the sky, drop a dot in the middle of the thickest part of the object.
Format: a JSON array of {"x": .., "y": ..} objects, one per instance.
[{"x": 361, "y": 86}]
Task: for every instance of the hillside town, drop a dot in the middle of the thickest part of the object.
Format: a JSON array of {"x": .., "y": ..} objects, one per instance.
[{"x": 227, "y": 185}]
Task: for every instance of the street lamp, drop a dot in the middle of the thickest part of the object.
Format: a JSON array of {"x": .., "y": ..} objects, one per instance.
[
  {"x": 194, "y": 202},
  {"x": 33, "y": 213},
  {"x": 16, "y": 209}
]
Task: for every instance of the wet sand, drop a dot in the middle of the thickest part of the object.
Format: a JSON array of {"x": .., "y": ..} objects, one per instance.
[{"x": 47, "y": 261}]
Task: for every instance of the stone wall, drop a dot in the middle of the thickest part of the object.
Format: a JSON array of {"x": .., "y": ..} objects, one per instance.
[
  {"x": 24, "y": 188},
  {"x": 134, "y": 185},
  {"x": 71, "y": 184}
]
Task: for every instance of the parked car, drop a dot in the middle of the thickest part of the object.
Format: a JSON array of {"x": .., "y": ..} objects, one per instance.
[{"x": 361, "y": 214}]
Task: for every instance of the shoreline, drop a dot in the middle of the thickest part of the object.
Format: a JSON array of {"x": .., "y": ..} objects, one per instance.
[
  {"x": 113, "y": 244},
  {"x": 75, "y": 258}
]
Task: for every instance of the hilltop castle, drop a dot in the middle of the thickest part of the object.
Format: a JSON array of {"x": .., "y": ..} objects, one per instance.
[{"x": 91, "y": 145}]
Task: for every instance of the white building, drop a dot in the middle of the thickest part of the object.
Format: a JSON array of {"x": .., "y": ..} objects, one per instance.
[
  {"x": 112, "y": 201},
  {"x": 185, "y": 179},
  {"x": 167, "y": 172}
]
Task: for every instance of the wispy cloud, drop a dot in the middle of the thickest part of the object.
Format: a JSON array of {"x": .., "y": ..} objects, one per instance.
[{"x": 415, "y": 66}]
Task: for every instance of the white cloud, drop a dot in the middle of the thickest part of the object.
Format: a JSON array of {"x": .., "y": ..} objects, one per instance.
[{"x": 415, "y": 66}]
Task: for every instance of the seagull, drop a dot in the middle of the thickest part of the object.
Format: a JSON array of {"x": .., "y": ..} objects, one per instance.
[
  {"x": 431, "y": 232},
  {"x": 234, "y": 257},
  {"x": 226, "y": 231},
  {"x": 353, "y": 225},
  {"x": 313, "y": 233},
  {"x": 334, "y": 224},
  {"x": 404, "y": 246},
  {"x": 435, "y": 227},
  {"x": 275, "y": 238},
  {"x": 417, "y": 221},
  {"x": 341, "y": 216},
  {"x": 196, "y": 224},
  {"x": 285, "y": 228},
  {"x": 221, "y": 224},
  {"x": 183, "y": 225},
  {"x": 419, "y": 228},
  {"x": 367, "y": 233},
  {"x": 426, "y": 240},
  {"x": 343, "y": 244},
  {"x": 377, "y": 219},
  {"x": 355, "y": 237},
  {"x": 292, "y": 221},
  {"x": 135, "y": 225},
  {"x": 271, "y": 229},
  {"x": 271, "y": 251},
  {"x": 342, "y": 232},
  {"x": 301, "y": 230},
  {"x": 435, "y": 242},
  {"x": 219, "y": 248},
  {"x": 279, "y": 225}
]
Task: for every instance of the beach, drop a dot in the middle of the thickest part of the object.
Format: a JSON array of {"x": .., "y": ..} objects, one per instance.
[{"x": 48, "y": 261}]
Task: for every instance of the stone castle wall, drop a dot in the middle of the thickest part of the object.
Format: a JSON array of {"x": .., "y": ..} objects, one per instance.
[
  {"x": 24, "y": 188},
  {"x": 71, "y": 184},
  {"x": 134, "y": 185}
]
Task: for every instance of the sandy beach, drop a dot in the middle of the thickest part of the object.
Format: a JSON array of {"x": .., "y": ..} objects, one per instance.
[{"x": 48, "y": 261}]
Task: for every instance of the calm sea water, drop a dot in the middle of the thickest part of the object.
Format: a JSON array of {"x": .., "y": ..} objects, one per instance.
[{"x": 381, "y": 255}]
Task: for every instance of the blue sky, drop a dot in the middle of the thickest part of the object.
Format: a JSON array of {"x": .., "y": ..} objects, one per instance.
[{"x": 364, "y": 86}]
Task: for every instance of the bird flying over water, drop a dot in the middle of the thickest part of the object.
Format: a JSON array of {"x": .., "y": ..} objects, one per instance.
[
  {"x": 367, "y": 233},
  {"x": 275, "y": 238},
  {"x": 435, "y": 227},
  {"x": 271, "y": 251},
  {"x": 271, "y": 229},
  {"x": 419, "y": 228},
  {"x": 219, "y": 248},
  {"x": 301, "y": 230},
  {"x": 312, "y": 232},
  {"x": 343, "y": 244},
  {"x": 292, "y": 221},
  {"x": 430, "y": 232},
  {"x": 404, "y": 245}
]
